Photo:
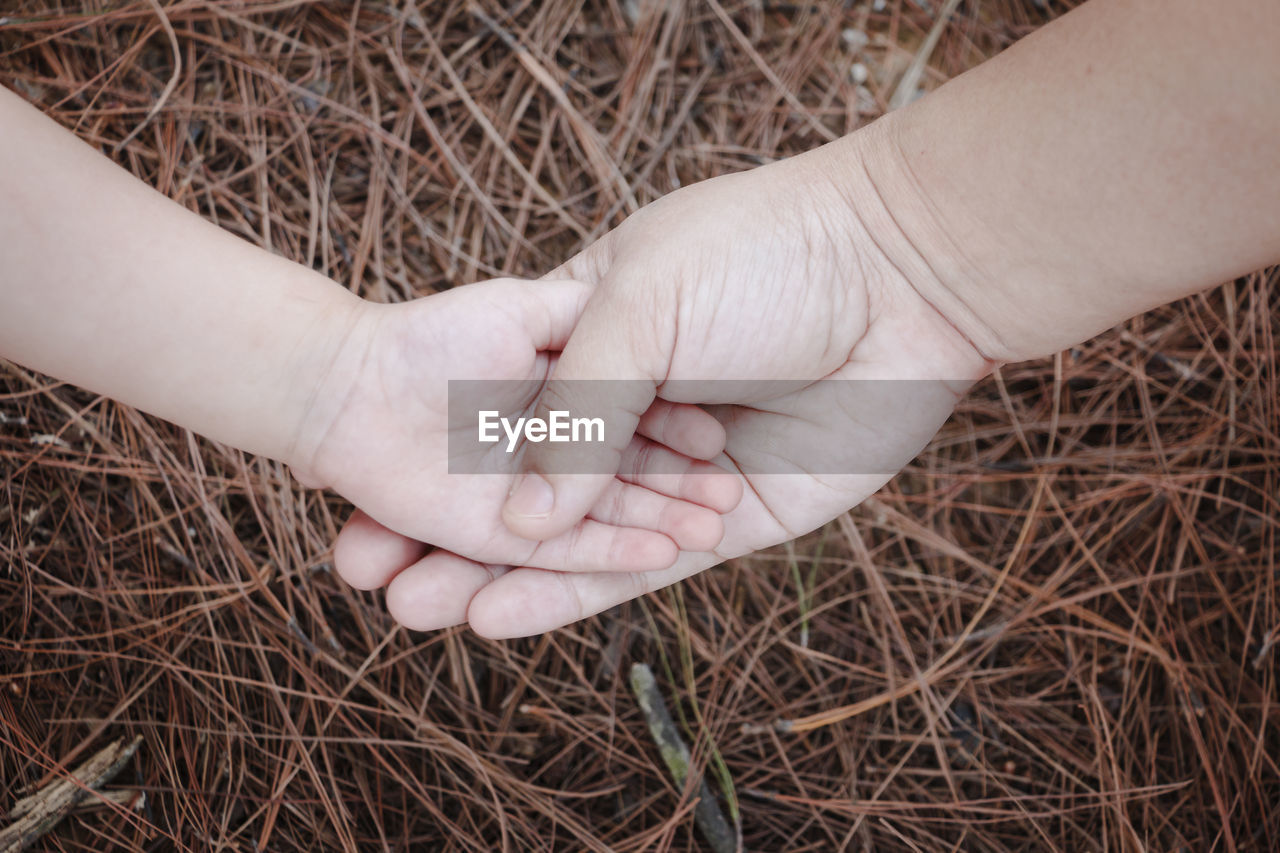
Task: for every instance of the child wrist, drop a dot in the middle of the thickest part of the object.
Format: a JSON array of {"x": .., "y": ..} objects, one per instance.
[{"x": 317, "y": 379}]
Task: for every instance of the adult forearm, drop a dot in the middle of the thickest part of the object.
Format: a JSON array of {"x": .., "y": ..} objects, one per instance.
[
  {"x": 1121, "y": 157},
  {"x": 107, "y": 284}
]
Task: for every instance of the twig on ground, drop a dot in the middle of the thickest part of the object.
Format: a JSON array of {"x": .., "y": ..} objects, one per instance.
[
  {"x": 35, "y": 815},
  {"x": 675, "y": 754}
]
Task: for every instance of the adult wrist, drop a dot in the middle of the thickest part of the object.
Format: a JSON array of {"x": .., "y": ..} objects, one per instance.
[
  {"x": 1061, "y": 187},
  {"x": 988, "y": 276},
  {"x": 901, "y": 237}
]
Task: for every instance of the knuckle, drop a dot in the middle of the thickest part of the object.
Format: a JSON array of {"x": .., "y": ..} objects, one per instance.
[
  {"x": 575, "y": 546},
  {"x": 572, "y": 597},
  {"x": 643, "y": 459},
  {"x": 557, "y": 395},
  {"x": 617, "y": 506},
  {"x": 664, "y": 427}
]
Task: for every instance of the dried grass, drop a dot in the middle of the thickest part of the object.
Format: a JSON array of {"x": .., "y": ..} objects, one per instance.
[{"x": 1060, "y": 625}]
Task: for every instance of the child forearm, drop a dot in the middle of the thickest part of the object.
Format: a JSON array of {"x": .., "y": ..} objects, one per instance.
[
  {"x": 1123, "y": 156},
  {"x": 107, "y": 284}
]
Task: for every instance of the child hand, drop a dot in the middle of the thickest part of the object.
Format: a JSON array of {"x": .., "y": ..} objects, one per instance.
[
  {"x": 268, "y": 356},
  {"x": 377, "y": 433}
]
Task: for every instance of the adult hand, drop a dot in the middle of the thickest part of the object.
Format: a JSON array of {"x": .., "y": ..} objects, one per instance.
[
  {"x": 1037, "y": 200},
  {"x": 779, "y": 296}
]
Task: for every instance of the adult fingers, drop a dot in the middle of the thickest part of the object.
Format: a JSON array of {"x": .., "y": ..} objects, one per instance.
[
  {"x": 368, "y": 555},
  {"x": 436, "y": 591},
  {"x": 524, "y": 602}
]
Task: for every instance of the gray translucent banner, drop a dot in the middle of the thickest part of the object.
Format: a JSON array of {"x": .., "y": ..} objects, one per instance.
[{"x": 829, "y": 426}]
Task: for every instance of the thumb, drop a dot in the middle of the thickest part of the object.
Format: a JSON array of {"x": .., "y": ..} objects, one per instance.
[{"x": 605, "y": 379}]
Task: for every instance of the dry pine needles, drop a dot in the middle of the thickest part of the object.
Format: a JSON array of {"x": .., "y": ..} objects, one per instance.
[{"x": 1110, "y": 515}]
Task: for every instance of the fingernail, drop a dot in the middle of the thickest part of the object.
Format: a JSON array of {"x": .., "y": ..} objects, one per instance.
[{"x": 531, "y": 497}]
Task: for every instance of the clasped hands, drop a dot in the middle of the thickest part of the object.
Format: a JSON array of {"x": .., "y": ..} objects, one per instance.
[{"x": 731, "y": 307}]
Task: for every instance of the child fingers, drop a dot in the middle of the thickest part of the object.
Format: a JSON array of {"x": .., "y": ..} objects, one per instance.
[
  {"x": 436, "y": 591},
  {"x": 690, "y": 526},
  {"x": 684, "y": 428},
  {"x": 659, "y": 469},
  {"x": 368, "y": 555}
]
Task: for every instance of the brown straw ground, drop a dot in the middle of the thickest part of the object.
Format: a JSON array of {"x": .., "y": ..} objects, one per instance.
[{"x": 1059, "y": 629}]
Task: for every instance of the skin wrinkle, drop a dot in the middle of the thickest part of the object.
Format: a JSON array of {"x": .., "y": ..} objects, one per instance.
[
  {"x": 619, "y": 298},
  {"x": 842, "y": 306},
  {"x": 309, "y": 473},
  {"x": 893, "y": 137},
  {"x": 643, "y": 455},
  {"x": 750, "y": 484},
  {"x": 661, "y": 431},
  {"x": 875, "y": 188},
  {"x": 571, "y": 593}
]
